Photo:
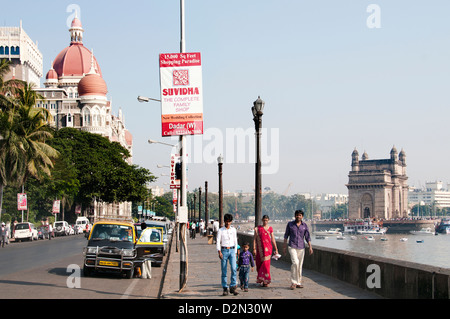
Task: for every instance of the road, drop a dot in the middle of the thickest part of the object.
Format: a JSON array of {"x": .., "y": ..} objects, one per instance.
[{"x": 52, "y": 269}]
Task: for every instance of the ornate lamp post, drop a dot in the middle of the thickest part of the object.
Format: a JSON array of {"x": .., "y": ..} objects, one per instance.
[
  {"x": 220, "y": 163},
  {"x": 199, "y": 203},
  {"x": 206, "y": 207},
  {"x": 257, "y": 110}
]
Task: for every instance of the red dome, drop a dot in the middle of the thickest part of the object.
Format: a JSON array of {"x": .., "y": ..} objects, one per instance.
[
  {"x": 92, "y": 84},
  {"x": 52, "y": 75},
  {"x": 128, "y": 137},
  {"x": 76, "y": 23},
  {"x": 74, "y": 60}
]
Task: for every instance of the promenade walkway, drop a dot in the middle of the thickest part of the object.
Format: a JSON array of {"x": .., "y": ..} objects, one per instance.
[{"x": 203, "y": 279}]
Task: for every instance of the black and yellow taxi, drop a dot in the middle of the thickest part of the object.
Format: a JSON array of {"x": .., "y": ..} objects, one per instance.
[
  {"x": 150, "y": 245},
  {"x": 110, "y": 248}
]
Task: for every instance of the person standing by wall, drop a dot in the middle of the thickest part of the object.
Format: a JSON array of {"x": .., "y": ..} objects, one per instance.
[
  {"x": 263, "y": 243},
  {"x": 297, "y": 232},
  {"x": 226, "y": 247}
]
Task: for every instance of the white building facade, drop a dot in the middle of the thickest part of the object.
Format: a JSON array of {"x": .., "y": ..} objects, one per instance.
[
  {"x": 433, "y": 193},
  {"x": 26, "y": 59}
]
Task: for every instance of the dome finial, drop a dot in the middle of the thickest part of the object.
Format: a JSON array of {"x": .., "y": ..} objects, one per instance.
[{"x": 92, "y": 70}]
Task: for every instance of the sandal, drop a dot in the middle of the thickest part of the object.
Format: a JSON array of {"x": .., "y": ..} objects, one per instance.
[{"x": 293, "y": 286}]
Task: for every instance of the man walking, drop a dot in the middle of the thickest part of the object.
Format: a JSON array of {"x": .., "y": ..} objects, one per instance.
[
  {"x": 2, "y": 234},
  {"x": 226, "y": 247},
  {"x": 297, "y": 231}
]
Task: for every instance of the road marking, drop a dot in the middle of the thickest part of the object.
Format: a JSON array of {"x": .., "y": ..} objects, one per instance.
[{"x": 129, "y": 289}]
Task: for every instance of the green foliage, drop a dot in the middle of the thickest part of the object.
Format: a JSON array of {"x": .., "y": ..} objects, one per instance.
[{"x": 101, "y": 168}]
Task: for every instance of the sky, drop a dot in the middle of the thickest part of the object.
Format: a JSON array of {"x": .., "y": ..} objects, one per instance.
[{"x": 335, "y": 75}]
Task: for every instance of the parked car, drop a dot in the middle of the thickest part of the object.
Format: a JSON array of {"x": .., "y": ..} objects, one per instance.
[
  {"x": 84, "y": 223},
  {"x": 25, "y": 231},
  {"x": 150, "y": 246},
  {"x": 110, "y": 248},
  {"x": 61, "y": 228}
]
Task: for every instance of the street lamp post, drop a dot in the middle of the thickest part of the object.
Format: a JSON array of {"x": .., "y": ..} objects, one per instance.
[
  {"x": 199, "y": 204},
  {"x": 220, "y": 163},
  {"x": 206, "y": 207},
  {"x": 257, "y": 110},
  {"x": 182, "y": 210}
]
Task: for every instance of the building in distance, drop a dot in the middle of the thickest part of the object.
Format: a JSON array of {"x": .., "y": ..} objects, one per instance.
[
  {"x": 434, "y": 193},
  {"x": 26, "y": 59},
  {"x": 378, "y": 188}
]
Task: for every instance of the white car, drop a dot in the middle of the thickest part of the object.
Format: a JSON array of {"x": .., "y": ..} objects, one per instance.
[
  {"x": 61, "y": 228},
  {"x": 71, "y": 230},
  {"x": 25, "y": 231}
]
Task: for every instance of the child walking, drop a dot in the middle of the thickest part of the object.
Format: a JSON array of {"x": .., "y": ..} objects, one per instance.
[{"x": 245, "y": 261}]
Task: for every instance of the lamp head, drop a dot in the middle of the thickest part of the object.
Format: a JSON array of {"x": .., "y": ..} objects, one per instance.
[
  {"x": 143, "y": 99},
  {"x": 258, "y": 106},
  {"x": 220, "y": 159}
]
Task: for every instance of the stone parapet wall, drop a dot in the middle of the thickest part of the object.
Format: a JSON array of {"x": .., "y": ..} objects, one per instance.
[{"x": 386, "y": 277}]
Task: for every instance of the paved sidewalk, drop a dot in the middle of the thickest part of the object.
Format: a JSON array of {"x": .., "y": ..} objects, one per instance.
[{"x": 203, "y": 279}]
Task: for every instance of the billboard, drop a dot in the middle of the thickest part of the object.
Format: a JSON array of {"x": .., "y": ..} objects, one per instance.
[
  {"x": 21, "y": 201},
  {"x": 56, "y": 206},
  {"x": 181, "y": 94}
]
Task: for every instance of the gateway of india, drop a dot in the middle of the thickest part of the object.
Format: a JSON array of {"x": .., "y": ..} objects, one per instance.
[{"x": 378, "y": 188}]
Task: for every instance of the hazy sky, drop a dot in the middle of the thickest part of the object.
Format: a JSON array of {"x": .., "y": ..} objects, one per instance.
[{"x": 331, "y": 81}]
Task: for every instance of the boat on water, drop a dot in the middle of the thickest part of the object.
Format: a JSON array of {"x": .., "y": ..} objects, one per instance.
[
  {"x": 321, "y": 237},
  {"x": 369, "y": 238},
  {"x": 404, "y": 239},
  {"x": 329, "y": 232},
  {"x": 384, "y": 239},
  {"x": 340, "y": 237},
  {"x": 420, "y": 241},
  {"x": 444, "y": 226},
  {"x": 423, "y": 231},
  {"x": 365, "y": 227}
]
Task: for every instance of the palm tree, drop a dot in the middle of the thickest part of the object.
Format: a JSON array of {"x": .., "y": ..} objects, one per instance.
[
  {"x": 24, "y": 131},
  {"x": 34, "y": 131},
  {"x": 8, "y": 88}
]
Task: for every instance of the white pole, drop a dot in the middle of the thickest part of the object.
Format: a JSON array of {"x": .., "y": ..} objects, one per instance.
[{"x": 183, "y": 191}]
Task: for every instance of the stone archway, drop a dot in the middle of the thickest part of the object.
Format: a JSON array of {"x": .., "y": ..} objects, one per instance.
[
  {"x": 366, "y": 212},
  {"x": 367, "y": 206}
]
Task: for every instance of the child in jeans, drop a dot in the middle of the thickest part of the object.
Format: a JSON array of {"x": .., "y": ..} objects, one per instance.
[{"x": 244, "y": 262}]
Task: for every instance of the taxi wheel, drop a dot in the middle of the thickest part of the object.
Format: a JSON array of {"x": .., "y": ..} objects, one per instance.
[
  {"x": 87, "y": 272},
  {"x": 129, "y": 273}
]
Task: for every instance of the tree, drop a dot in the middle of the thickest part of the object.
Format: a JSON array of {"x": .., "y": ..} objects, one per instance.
[
  {"x": 101, "y": 168},
  {"x": 24, "y": 132}
]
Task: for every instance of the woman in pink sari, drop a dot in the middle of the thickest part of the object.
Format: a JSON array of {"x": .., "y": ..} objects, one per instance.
[{"x": 262, "y": 248}]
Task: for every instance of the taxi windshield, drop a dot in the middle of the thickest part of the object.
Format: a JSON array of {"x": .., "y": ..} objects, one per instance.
[
  {"x": 112, "y": 232},
  {"x": 151, "y": 235}
]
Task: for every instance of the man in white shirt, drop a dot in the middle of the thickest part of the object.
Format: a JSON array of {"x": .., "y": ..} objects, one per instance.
[{"x": 226, "y": 247}]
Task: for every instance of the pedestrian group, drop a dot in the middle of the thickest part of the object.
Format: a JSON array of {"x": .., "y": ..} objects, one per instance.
[{"x": 296, "y": 234}]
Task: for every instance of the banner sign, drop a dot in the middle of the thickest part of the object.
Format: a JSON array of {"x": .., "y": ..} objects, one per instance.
[
  {"x": 22, "y": 201},
  {"x": 56, "y": 206},
  {"x": 181, "y": 94},
  {"x": 174, "y": 183},
  {"x": 78, "y": 209}
]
